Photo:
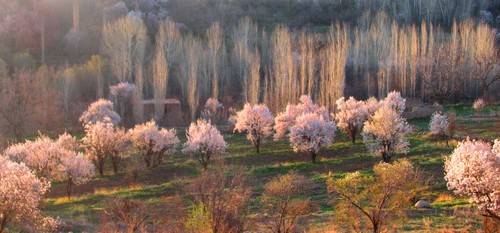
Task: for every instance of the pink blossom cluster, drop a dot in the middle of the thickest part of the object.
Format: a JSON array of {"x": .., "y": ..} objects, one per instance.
[
  {"x": 77, "y": 169},
  {"x": 21, "y": 193},
  {"x": 386, "y": 132},
  {"x": 103, "y": 140},
  {"x": 473, "y": 170},
  {"x": 311, "y": 132},
  {"x": 213, "y": 105},
  {"x": 372, "y": 105},
  {"x": 148, "y": 139},
  {"x": 351, "y": 115},
  {"x": 286, "y": 119},
  {"x": 54, "y": 160},
  {"x": 148, "y": 136},
  {"x": 42, "y": 155},
  {"x": 439, "y": 124},
  {"x": 255, "y": 120},
  {"x": 479, "y": 105},
  {"x": 100, "y": 111},
  {"x": 122, "y": 90},
  {"x": 395, "y": 101},
  {"x": 203, "y": 137}
]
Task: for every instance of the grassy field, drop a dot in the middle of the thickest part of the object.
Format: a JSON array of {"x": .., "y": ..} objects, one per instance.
[{"x": 160, "y": 185}]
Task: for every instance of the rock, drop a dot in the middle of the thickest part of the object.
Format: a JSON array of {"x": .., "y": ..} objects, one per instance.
[{"x": 422, "y": 204}]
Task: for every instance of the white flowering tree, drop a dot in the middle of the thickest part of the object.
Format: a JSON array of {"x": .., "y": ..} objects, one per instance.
[
  {"x": 121, "y": 94},
  {"x": 75, "y": 169},
  {"x": 350, "y": 116},
  {"x": 385, "y": 133},
  {"x": 479, "y": 105},
  {"x": 310, "y": 133},
  {"x": 103, "y": 140},
  {"x": 212, "y": 110},
  {"x": 257, "y": 121},
  {"x": 153, "y": 143},
  {"x": 286, "y": 119},
  {"x": 372, "y": 105},
  {"x": 439, "y": 125},
  {"x": 473, "y": 170},
  {"x": 42, "y": 155},
  {"x": 395, "y": 101},
  {"x": 100, "y": 111},
  {"x": 204, "y": 141},
  {"x": 21, "y": 193}
]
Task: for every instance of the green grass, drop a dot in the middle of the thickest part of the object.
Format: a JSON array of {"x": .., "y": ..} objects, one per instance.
[{"x": 275, "y": 158}]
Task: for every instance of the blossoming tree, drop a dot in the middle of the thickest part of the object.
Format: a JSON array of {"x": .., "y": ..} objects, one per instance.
[
  {"x": 100, "y": 110},
  {"x": 286, "y": 119},
  {"x": 103, "y": 140},
  {"x": 153, "y": 143},
  {"x": 121, "y": 94},
  {"x": 372, "y": 105},
  {"x": 472, "y": 170},
  {"x": 479, "y": 105},
  {"x": 212, "y": 110},
  {"x": 42, "y": 155},
  {"x": 385, "y": 133},
  {"x": 350, "y": 116},
  {"x": 21, "y": 193},
  {"x": 395, "y": 101},
  {"x": 76, "y": 169},
  {"x": 439, "y": 125},
  {"x": 256, "y": 121},
  {"x": 310, "y": 133},
  {"x": 204, "y": 141}
]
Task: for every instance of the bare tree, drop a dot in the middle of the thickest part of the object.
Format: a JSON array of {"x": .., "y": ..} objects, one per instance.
[
  {"x": 124, "y": 215},
  {"x": 124, "y": 42},
  {"x": 223, "y": 194},
  {"x": 283, "y": 203}
]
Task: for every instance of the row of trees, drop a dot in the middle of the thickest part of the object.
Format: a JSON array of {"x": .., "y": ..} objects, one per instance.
[
  {"x": 276, "y": 68},
  {"x": 309, "y": 127},
  {"x": 248, "y": 63}
]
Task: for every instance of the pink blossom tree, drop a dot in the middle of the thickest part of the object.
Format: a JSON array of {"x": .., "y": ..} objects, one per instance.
[
  {"x": 257, "y": 121},
  {"x": 68, "y": 142},
  {"x": 103, "y": 140},
  {"x": 121, "y": 94},
  {"x": 472, "y": 170},
  {"x": 350, "y": 116},
  {"x": 21, "y": 193},
  {"x": 372, "y": 105},
  {"x": 439, "y": 125},
  {"x": 479, "y": 105},
  {"x": 395, "y": 101},
  {"x": 212, "y": 110},
  {"x": 310, "y": 133},
  {"x": 204, "y": 141},
  {"x": 100, "y": 111},
  {"x": 286, "y": 119},
  {"x": 76, "y": 169},
  {"x": 153, "y": 143},
  {"x": 42, "y": 155},
  {"x": 385, "y": 133}
]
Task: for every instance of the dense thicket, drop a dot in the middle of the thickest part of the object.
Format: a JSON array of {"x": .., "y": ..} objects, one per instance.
[{"x": 241, "y": 51}]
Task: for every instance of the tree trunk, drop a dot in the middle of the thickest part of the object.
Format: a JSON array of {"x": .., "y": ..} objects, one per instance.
[
  {"x": 386, "y": 157},
  {"x": 114, "y": 161},
  {"x": 3, "y": 224},
  {"x": 100, "y": 166},
  {"x": 68, "y": 188},
  {"x": 147, "y": 159},
  {"x": 313, "y": 157},
  {"x": 353, "y": 135}
]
